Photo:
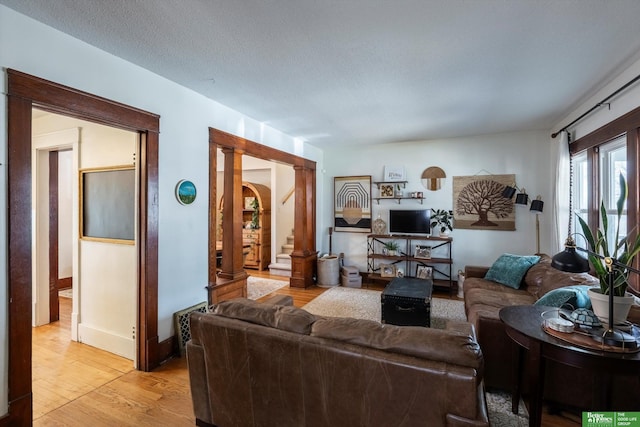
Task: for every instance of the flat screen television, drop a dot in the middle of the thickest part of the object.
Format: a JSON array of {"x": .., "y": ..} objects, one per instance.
[{"x": 410, "y": 221}]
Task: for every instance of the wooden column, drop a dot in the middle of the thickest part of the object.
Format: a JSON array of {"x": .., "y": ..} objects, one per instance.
[
  {"x": 231, "y": 279},
  {"x": 304, "y": 256}
]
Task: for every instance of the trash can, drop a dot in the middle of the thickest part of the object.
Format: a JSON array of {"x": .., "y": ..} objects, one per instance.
[
  {"x": 328, "y": 271},
  {"x": 460, "y": 284}
]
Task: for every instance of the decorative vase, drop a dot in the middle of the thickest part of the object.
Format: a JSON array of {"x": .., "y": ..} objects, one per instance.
[
  {"x": 600, "y": 305},
  {"x": 379, "y": 226}
]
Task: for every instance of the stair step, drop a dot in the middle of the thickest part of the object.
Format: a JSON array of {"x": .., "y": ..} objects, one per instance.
[
  {"x": 280, "y": 269},
  {"x": 283, "y": 259},
  {"x": 287, "y": 249},
  {"x": 290, "y": 240}
]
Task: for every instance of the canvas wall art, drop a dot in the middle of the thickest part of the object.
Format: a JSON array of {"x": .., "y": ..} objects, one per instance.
[
  {"x": 352, "y": 203},
  {"x": 478, "y": 203}
]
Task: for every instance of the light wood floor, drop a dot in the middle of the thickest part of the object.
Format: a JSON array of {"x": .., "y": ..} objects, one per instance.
[{"x": 78, "y": 385}]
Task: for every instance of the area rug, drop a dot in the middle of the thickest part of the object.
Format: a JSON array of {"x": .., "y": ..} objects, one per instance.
[
  {"x": 257, "y": 287},
  {"x": 365, "y": 304}
]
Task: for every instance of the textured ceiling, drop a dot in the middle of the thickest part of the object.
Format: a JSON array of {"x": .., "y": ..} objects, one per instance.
[{"x": 369, "y": 71}]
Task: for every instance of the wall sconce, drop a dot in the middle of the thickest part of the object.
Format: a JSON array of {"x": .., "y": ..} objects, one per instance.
[{"x": 522, "y": 198}]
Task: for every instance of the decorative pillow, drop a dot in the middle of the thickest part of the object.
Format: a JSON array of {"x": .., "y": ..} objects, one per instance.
[
  {"x": 510, "y": 269},
  {"x": 573, "y": 297}
]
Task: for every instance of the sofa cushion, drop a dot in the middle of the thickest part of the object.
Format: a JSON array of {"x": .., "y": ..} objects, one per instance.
[
  {"x": 248, "y": 310},
  {"x": 568, "y": 297},
  {"x": 509, "y": 269},
  {"x": 294, "y": 319},
  {"x": 454, "y": 345}
]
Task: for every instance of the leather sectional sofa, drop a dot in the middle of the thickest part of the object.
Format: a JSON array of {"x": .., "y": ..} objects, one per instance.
[
  {"x": 264, "y": 364},
  {"x": 565, "y": 386}
]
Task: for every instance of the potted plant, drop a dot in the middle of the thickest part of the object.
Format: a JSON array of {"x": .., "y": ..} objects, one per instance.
[
  {"x": 255, "y": 215},
  {"x": 624, "y": 251},
  {"x": 391, "y": 247},
  {"x": 442, "y": 219}
]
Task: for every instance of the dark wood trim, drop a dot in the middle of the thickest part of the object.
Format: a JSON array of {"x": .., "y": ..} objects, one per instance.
[
  {"x": 304, "y": 251},
  {"x": 54, "y": 307},
  {"x": 65, "y": 283},
  {"x": 19, "y": 259},
  {"x": 628, "y": 124},
  {"x": 25, "y": 92},
  {"x": 168, "y": 348}
]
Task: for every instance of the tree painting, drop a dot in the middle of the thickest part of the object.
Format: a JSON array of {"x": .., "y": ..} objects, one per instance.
[{"x": 478, "y": 203}]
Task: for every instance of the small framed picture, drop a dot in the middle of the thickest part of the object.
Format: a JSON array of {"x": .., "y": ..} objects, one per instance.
[
  {"x": 424, "y": 272},
  {"x": 248, "y": 202},
  {"x": 386, "y": 191},
  {"x": 423, "y": 252},
  {"x": 388, "y": 270},
  {"x": 394, "y": 173}
]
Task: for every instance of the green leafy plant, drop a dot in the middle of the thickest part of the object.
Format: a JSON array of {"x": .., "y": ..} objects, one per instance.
[
  {"x": 625, "y": 250},
  {"x": 391, "y": 245},
  {"x": 255, "y": 215},
  {"x": 443, "y": 219}
]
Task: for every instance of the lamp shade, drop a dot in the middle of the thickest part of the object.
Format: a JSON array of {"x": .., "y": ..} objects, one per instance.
[
  {"x": 522, "y": 198},
  {"x": 569, "y": 260},
  {"x": 508, "y": 192},
  {"x": 537, "y": 205}
]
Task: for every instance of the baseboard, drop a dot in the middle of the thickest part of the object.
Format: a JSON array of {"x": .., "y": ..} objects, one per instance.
[
  {"x": 122, "y": 346},
  {"x": 168, "y": 349}
]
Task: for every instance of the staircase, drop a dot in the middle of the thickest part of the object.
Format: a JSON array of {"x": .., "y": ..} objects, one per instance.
[{"x": 282, "y": 266}]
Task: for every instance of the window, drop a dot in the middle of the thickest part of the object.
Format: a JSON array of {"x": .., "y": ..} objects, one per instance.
[{"x": 598, "y": 161}]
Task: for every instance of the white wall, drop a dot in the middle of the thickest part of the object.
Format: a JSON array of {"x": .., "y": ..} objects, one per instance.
[
  {"x": 33, "y": 48},
  {"x": 524, "y": 154},
  {"x": 619, "y": 105}
]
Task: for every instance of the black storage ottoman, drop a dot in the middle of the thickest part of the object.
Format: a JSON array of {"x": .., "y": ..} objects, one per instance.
[{"x": 407, "y": 302}]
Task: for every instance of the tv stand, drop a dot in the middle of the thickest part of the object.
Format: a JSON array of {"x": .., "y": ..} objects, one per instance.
[{"x": 410, "y": 258}]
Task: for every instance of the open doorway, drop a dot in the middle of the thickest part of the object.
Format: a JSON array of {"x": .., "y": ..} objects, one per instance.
[
  {"x": 23, "y": 93},
  {"x": 67, "y": 152}
]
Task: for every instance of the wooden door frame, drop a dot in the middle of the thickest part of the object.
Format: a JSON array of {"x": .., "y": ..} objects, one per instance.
[
  {"x": 24, "y": 93},
  {"x": 304, "y": 255},
  {"x": 54, "y": 303}
]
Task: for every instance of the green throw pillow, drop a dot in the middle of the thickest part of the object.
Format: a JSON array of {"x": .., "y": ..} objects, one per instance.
[
  {"x": 510, "y": 269},
  {"x": 567, "y": 297}
]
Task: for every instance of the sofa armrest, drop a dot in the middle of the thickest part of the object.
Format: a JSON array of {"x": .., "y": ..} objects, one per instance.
[
  {"x": 475, "y": 271},
  {"x": 198, "y": 383}
]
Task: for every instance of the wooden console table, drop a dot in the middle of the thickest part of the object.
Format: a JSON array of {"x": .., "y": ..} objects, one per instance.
[{"x": 524, "y": 326}]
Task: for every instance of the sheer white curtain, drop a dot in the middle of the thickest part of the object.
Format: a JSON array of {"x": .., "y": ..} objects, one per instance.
[{"x": 560, "y": 212}]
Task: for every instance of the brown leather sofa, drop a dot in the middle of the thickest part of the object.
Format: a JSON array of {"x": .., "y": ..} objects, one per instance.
[
  {"x": 262, "y": 364},
  {"x": 565, "y": 386}
]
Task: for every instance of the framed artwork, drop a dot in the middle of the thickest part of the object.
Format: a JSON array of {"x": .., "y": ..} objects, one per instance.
[
  {"x": 423, "y": 252},
  {"x": 248, "y": 202},
  {"x": 107, "y": 204},
  {"x": 388, "y": 270},
  {"x": 352, "y": 203},
  {"x": 424, "y": 272},
  {"x": 386, "y": 191},
  {"x": 394, "y": 173},
  {"x": 478, "y": 203},
  {"x": 185, "y": 192}
]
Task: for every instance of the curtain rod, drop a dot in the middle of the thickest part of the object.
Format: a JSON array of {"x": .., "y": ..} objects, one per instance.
[{"x": 598, "y": 105}]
